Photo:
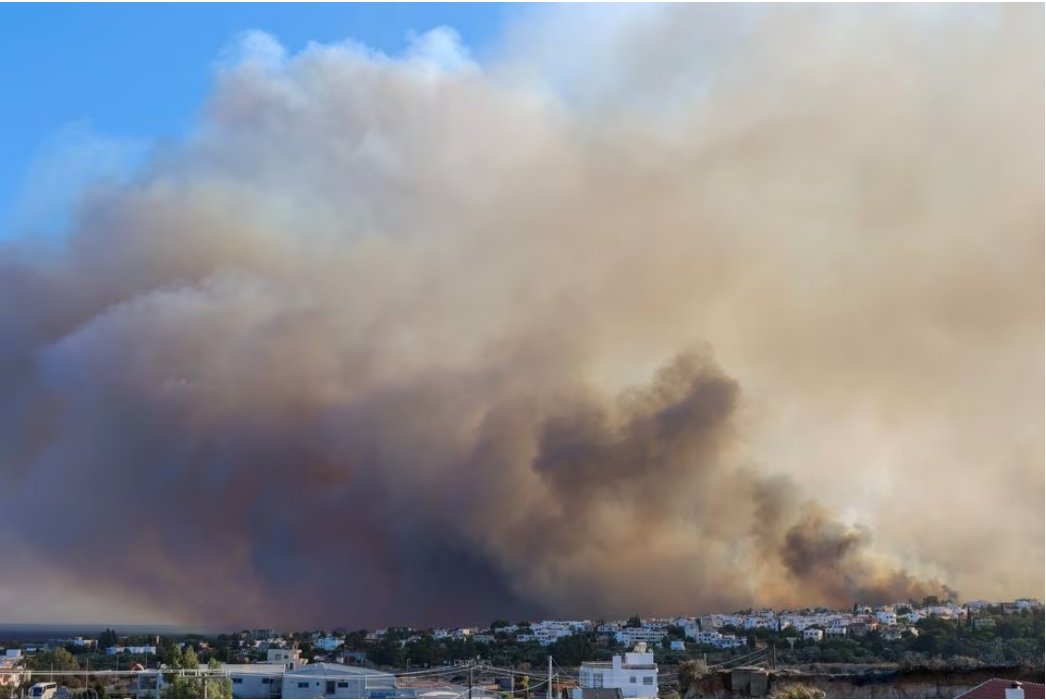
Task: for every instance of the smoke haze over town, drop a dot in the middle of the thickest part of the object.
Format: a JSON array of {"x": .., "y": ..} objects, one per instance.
[{"x": 723, "y": 307}]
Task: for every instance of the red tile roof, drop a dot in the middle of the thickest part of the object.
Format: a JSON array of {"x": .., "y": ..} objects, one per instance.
[{"x": 996, "y": 688}]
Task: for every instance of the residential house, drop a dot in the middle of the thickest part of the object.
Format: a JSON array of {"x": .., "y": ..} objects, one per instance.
[
  {"x": 886, "y": 617},
  {"x": 635, "y": 674},
  {"x": 716, "y": 639},
  {"x": 352, "y": 657},
  {"x": 328, "y": 643},
  {"x": 813, "y": 633},
  {"x": 12, "y": 674},
  {"x": 287, "y": 657},
  {"x": 630, "y": 636},
  {"x": 859, "y": 629},
  {"x": 548, "y": 632}
]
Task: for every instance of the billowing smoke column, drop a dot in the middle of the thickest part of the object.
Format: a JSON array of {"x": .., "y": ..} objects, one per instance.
[{"x": 415, "y": 341}]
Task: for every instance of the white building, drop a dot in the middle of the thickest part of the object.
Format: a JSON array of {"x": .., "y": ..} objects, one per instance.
[
  {"x": 635, "y": 675},
  {"x": 336, "y": 681},
  {"x": 273, "y": 680},
  {"x": 630, "y": 636},
  {"x": 548, "y": 632},
  {"x": 328, "y": 643},
  {"x": 813, "y": 633},
  {"x": 255, "y": 680},
  {"x": 287, "y": 657},
  {"x": 886, "y": 617},
  {"x": 716, "y": 639},
  {"x": 11, "y": 673}
]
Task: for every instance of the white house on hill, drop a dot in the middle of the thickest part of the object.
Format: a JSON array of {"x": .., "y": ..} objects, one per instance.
[{"x": 635, "y": 674}]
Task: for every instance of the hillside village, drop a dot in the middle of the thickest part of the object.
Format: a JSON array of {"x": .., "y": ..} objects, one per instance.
[{"x": 636, "y": 657}]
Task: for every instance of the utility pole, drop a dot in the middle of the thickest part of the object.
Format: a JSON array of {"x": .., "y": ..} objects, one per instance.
[
  {"x": 549, "y": 677},
  {"x": 470, "y": 678}
]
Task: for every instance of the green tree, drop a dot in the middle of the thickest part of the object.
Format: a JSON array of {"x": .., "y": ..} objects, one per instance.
[
  {"x": 387, "y": 652},
  {"x": 573, "y": 650},
  {"x": 219, "y": 688},
  {"x": 173, "y": 656},
  {"x": 56, "y": 660},
  {"x": 179, "y": 687},
  {"x": 189, "y": 658},
  {"x": 634, "y": 621},
  {"x": 354, "y": 641},
  {"x": 497, "y": 624},
  {"x": 107, "y": 639}
]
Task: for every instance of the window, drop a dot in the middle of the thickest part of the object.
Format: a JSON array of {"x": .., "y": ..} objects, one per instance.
[
  {"x": 237, "y": 681},
  {"x": 632, "y": 680},
  {"x": 266, "y": 681},
  {"x": 303, "y": 684},
  {"x": 343, "y": 684},
  {"x": 648, "y": 680}
]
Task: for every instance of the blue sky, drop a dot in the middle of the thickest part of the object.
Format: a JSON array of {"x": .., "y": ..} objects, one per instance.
[{"x": 87, "y": 87}]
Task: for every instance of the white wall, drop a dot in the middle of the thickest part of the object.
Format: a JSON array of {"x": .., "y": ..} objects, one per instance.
[
  {"x": 254, "y": 685},
  {"x": 626, "y": 674}
]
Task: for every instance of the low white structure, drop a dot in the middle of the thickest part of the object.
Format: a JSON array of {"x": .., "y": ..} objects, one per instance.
[
  {"x": 635, "y": 674},
  {"x": 255, "y": 680},
  {"x": 336, "y": 681},
  {"x": 814, "y": 634},
  {"x": 323, "y": 680}
]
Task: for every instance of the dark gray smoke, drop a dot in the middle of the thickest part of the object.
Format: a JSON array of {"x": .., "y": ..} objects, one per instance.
[{"x": 414, "y": 341}]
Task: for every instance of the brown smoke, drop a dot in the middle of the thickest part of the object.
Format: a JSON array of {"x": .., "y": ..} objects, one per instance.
[{"x": 374, "y": 345}]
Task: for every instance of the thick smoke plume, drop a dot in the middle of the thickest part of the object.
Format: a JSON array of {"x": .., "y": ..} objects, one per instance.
[{"x": 414, "y": 340}]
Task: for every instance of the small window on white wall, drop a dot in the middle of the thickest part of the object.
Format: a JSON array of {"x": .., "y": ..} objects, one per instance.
[
  {"x": 648, "y": 680},
  {"x": 632, "y": 680}
]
